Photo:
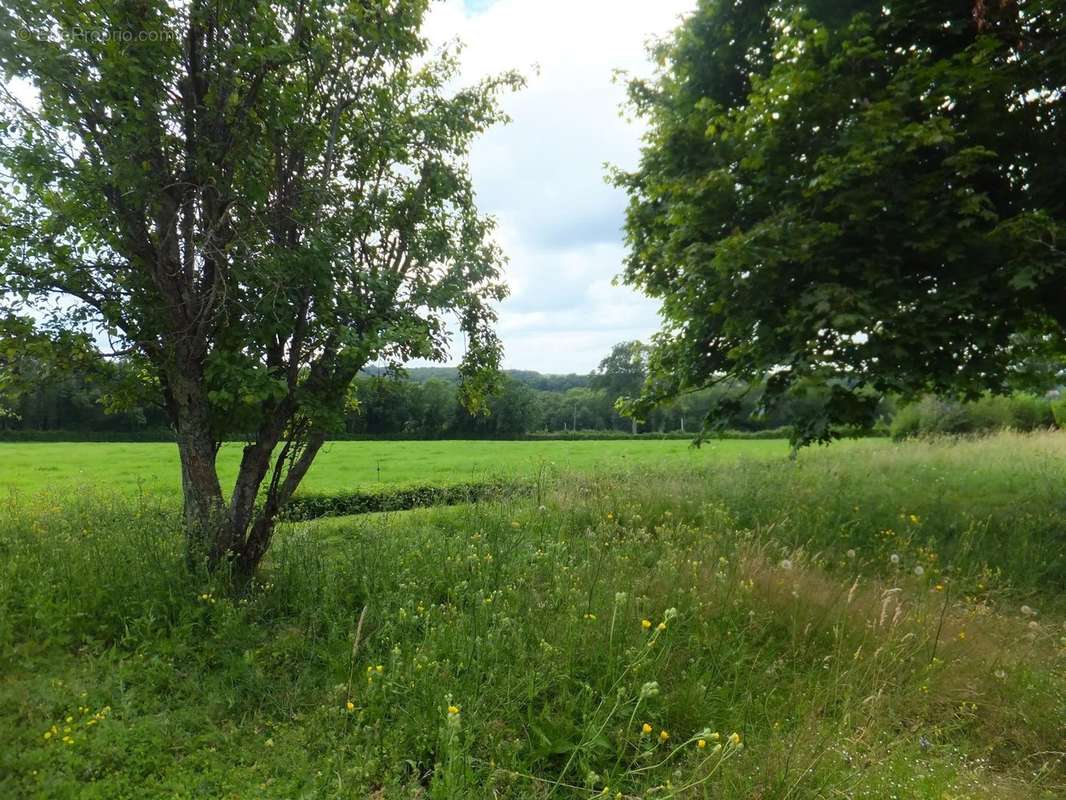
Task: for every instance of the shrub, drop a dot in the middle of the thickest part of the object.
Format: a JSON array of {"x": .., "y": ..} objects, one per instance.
[{"x": 934, "y": 416}]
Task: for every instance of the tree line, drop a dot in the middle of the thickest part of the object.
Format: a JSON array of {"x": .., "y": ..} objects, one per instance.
[{"x": 423, "y": 402}]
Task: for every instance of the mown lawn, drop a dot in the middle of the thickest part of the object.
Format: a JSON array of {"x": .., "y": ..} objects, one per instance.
[
  {"x": 870, "y": 622},
  {"x": 344, "y": 466}
]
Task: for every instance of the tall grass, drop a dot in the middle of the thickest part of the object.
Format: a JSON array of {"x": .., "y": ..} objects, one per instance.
[{"x": 518, "y": 648}]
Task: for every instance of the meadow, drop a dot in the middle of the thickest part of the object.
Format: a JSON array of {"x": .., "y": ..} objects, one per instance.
[
  {"x": 343, "y": 466},
  {"x": 875, "y": 621}
]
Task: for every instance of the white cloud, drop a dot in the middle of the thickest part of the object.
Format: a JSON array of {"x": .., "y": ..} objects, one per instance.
[{"x": 542, "y": 176}]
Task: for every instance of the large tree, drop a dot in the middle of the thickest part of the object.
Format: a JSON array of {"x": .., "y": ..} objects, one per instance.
[
  {"x": 621, "y": 372},
  {"x": 254, "y": 199},
  {"x": 864, "y": 196}
]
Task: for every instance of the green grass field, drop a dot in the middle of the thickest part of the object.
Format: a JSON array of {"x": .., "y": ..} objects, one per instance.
[
  {"x": 343, "y": 466},
  {"x": 868, "y": 622}
]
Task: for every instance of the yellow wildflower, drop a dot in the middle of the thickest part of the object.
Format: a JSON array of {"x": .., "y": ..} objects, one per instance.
[
  {"x": 734, "y": 738},
  {"x": 702, "y": 743},
  {"x": 663, "y": 736},
  {"x": 350, "y": 705},
  {"x": 645, "y": 728},
  {"x": 453, "y": 710},
  {"x": 645, "y": 624}
]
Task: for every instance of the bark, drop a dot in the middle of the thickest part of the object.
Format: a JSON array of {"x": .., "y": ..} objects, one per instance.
[
  {"x": 293, "y": 461},
  {"x": 208, "y": 527}
]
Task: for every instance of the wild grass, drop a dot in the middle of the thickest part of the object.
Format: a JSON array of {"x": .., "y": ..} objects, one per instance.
[{"x": 577, "y": 644}]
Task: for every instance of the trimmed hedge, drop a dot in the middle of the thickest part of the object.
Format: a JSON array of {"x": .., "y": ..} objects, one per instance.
[
  {"x": 546, "y": 436},
  {"x": 162, "y": 435},
  {"x": 312, "y": 506}
]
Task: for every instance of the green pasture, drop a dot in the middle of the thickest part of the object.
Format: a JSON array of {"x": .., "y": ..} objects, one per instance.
[
  {"x": 344, "y": 466},
  {"x": 870, "y": 621}
]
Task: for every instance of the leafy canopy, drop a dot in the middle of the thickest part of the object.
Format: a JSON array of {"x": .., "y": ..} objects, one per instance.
[
  {"x": 866, "y": 197},
  {"x": 254, "y": 200},
  {"x": 239, "y": 191}
]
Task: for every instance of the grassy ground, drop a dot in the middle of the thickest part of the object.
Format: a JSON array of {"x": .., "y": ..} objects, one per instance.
[
  {"x": 875, "y": 622},
  {"x": 343, "y": 466}
]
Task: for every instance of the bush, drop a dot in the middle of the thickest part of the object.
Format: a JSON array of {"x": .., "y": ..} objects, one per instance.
[
  {"x": 1058, "y": 412},
  {"x": 934, "y": 416},
  {"x": 313, "y": 506}
]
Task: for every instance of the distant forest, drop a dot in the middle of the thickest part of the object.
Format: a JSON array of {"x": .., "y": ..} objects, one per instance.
[{"x": 421, "y": 403}]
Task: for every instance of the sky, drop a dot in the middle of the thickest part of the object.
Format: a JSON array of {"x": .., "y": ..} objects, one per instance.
[{"x": 542, "y": 176}]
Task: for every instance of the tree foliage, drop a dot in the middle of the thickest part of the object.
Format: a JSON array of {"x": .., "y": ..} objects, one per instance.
[
  {"x": 866, "y": 197},
  {"x": 254, "y": 200}
]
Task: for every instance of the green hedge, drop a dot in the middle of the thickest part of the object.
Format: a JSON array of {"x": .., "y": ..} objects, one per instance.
[
  {"x": 313, "y": 506},
  {"x": 540, "y": 436},
  {"x": 167, "y": 436},
  {"x": 162, "y": 435}
]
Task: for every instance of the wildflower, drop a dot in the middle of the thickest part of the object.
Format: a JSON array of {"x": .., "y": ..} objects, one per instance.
[
  {"x": 47, "y": 734},
  {"x": 914, "y": 519},
  {"x": 590, "y": 617},
  {"x": 702, "y": 743},
  {"x": 379, "y": 669},
  {"x": 661, "y": 626},
  {"x": 269, "y": 742},
  {"x": 453, "y": 711},
  {"x": 734, "y": 739},
  {"x": 664, "y": 736},
  {"x": 939, "y": 587},
  {"x": 350, "y": 705},
  {"x": 645, "y": 728},
  {"x": 962, "y": 635},
  {"x": 645, "y": 624},
  {"x": 894, "y": 558},
  {"x": 919, "y": 570},
  {"x": 786, "y": 564}
]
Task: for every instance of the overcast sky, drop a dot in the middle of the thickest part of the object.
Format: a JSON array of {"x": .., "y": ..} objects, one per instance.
[{"x": 542, "y": 176}]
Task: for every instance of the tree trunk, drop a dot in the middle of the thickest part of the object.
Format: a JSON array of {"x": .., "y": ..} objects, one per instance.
[
  {"x": 208, "y": 528},
  {"x": 298, "y": 456}
]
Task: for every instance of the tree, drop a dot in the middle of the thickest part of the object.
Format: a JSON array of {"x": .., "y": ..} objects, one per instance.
[
  {"x": 255, "y": 198},
  {"x": 868, "y": 197},
  {"x": 622, "y": 372}
]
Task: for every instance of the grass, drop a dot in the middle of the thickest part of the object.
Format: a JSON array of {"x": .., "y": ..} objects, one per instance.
[
  {"x": 500, "y": 649},
  {"x": 343, "y": 466}
]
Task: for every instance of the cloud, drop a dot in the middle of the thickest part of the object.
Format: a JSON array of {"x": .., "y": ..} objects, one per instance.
[{"x": 542, "y": 176}]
